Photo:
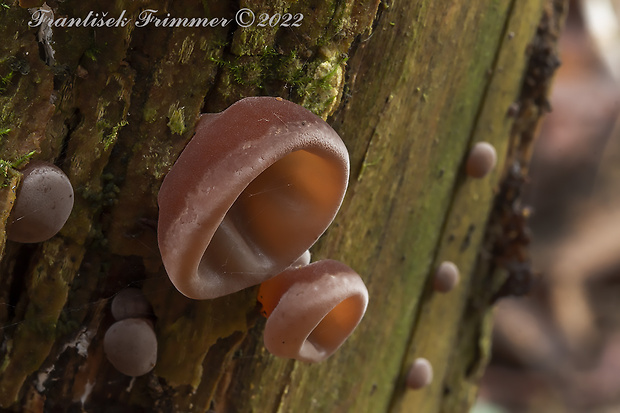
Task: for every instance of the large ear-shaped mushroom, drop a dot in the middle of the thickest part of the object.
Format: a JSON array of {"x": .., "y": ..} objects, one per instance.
[
  {"x": 43, "y": 204},
  {"x": 311, "y": 310},
  {"x": 254, "y": 188}
]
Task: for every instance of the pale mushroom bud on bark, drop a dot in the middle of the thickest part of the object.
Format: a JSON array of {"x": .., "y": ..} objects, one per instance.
[
  {"x": 131, "y": 346},
  {"x": 130, "y": 303},
  {"x": 420, "y": 374},
  {"x": 481, "y": 160},
  {"x": 446, "y": 277},
  {"x": 43, "y": 203}
]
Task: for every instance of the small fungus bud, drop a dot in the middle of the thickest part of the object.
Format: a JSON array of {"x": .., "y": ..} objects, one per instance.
[
  {"x": 131, "y": 346},
  {"x": 130, "y": 303},
  {"x": 446, "y": 277},
  {"x": 420, "y": 374},
  {"x": 481, "y": 160},
  {"x": 43, "y": 204}
]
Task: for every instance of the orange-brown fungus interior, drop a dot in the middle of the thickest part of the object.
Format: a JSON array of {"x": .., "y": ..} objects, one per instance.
[{"x": 336, "y": 326}]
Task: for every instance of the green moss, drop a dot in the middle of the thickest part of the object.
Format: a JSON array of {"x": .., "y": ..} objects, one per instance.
[
  {"x": 92, "y": 53},
  {"x": 150, "y": 114},
  {"x": 186, "y": 51},
  {"x": 65, "y": 324},
  {"x": 42, "y": 327},
  {"x": 5, "y": 81},
  {"x": 110, "y": 193},
  {"x": 320, "y": 95},
  {"x": 22, "y": 159},
  {"x": 290, "y": 68},
  {"x": 6, "y": 167},
  {"x": 93, "y": 196},
  {"x": 110, "y": 138},
  {"x": 317, "y": 83},
  {"x": 47, "y": 289},
  {"x": 244, "y": 71},
  {"x": 176, "y": 120}
]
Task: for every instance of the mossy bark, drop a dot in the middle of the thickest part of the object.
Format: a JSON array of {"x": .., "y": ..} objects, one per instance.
[{"x": 409, "y": 85}]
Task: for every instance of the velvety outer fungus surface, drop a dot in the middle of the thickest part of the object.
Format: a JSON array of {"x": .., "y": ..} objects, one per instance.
[
  {"x": 446, "y": 277},
  {"x": 131, "y": 346},
  {"x": 254, "y": 188},
  {"x": 43, "y": 204},
  {"x": 130, "y": 303},
  {"x": 312, "y": 309},
  {"x": 420, "y": 374},
  {"x": 481, "y": 160}
]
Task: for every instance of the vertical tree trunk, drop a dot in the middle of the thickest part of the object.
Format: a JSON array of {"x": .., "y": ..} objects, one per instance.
[{"x": 409, "y": 86}]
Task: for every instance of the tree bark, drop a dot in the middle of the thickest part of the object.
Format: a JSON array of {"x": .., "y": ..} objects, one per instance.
[{"x": 408, "y": 85}]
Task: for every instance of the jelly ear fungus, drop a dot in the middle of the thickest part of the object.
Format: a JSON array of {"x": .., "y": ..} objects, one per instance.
[
  {"x": 311, "y": 310},
  {"x": 254, "y": 188}
]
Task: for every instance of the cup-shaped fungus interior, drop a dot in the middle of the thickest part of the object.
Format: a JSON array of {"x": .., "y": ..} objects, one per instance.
[
  {"x": 284, "y": 209},
  {"x": 333, "y": 330},
  {"x": 312, "y": 309},
  {"x": 254, "y": 189}
]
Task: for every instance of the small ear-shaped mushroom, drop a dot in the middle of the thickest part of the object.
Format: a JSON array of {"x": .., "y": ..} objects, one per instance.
[
  {"x": 130, "y": 303},
  {"x": 254, "y": 188},
  {"x": 131, "y": 346},
  {"x": 446, "y": 277},
  {"x": 312, "y": 309},
  {"x": 481, "y": 160},
  {"x": 43, "y": 203},
  {"x": 420, "y": 374}
]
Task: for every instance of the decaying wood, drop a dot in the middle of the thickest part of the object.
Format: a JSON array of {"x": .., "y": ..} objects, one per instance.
[{"x": 409, "y": 85}]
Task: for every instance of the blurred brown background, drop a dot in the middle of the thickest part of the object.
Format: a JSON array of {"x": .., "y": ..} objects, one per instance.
[{"x": 558, "y": 349}]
